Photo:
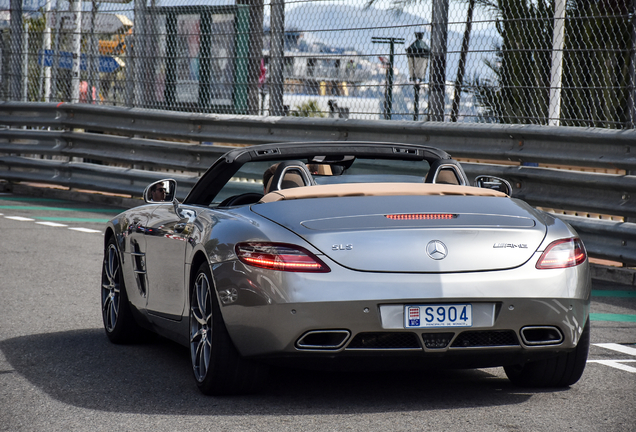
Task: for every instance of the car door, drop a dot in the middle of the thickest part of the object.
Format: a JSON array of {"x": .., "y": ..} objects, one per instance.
[{"x": 166, "y": 243}]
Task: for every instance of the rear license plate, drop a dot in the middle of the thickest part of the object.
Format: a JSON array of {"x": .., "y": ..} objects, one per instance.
[{"x": 438, "y": 315}]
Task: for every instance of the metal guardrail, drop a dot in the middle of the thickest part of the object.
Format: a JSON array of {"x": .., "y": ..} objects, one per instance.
[
  {"x": 81, "y": 175},
  {"x": 136, "y": 139},
  {"x": 606, "y": 239},
  {"x": 110, "y": 148},
  {"x": 567, "y": 190},
  {"x": 588, "y": 147}
]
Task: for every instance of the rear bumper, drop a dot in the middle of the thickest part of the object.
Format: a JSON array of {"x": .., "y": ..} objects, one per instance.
[{"x": 267, "y": 312}]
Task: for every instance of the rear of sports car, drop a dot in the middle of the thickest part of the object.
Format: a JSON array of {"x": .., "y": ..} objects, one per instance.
[{"x": 453, "y": 281}]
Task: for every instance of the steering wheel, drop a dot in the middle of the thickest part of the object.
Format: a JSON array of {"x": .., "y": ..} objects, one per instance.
[{"x": 245, "y": 198}]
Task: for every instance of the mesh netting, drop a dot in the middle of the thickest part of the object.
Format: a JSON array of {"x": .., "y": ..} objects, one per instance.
[{"x": 502, "y": 61}]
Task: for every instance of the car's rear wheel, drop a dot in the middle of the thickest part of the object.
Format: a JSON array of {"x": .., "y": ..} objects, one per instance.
[
  {"x": 218, "y": 367},
  {"x": 119, "y": 324},
  {"x": 561, "y": 371}
]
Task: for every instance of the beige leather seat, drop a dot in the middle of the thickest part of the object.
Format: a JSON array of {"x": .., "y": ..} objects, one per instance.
[
  {"x": 447, "y": 176},
  {"x": 287, "y": 175},
  {"x": 291, "y": 179}
]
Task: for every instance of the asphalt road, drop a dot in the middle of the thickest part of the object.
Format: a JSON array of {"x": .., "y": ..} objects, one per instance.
[{"x": 58, "y": 372}]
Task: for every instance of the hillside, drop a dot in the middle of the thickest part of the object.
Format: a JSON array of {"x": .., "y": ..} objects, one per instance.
[{"x": 351, "y": 28}]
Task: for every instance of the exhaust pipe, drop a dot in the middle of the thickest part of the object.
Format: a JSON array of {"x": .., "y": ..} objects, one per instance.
[
  {"x": 323, "y": 339},
  {"x": 541, "y": 335}
]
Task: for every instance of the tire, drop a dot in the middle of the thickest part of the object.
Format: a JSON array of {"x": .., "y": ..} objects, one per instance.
[
  {"x": 119, "y": 324},
  {"x": 561, "y": 371},
  {"x": 217, "y": 366}
]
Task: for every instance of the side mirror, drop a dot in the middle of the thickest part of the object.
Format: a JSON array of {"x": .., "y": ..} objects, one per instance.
[
  {"x": 494, "y": 183},
  {"x": 161, "y": 191}
]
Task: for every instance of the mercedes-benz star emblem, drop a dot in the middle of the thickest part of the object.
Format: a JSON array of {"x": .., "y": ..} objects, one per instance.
[{"x": 436, "y": 250}]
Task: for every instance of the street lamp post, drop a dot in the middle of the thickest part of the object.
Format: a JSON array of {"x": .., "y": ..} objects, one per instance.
[
  {"x": 418, "y": 55},
  {"x": 388, "y": 92}
]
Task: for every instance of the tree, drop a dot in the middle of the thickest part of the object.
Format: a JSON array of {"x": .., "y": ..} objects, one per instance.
[
  {"x": 596, "y": 59},
  {"x": 519, "y": 89},
  {"x": 596, "y": 64},
  {"x": 308, "y": 109}
]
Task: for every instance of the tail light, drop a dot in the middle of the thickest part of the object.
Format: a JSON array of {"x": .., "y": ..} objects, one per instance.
[
  {"x": 280, "y": 256},
  {"x": 562, "y": 253}
]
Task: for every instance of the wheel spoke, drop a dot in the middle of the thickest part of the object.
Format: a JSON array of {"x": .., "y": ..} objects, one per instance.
[
  {"x": 106, "y": 310},
  {"x": 201, "y": 294},
  {"x": 115, "y": 303},
  {"x": 113, "y": 265},
  {"x": 203, "y": 361},
  {"x": 197, "y": 312},
  {"x": 197, "y": 315},
  {"x": 112, "y": 315},
  {"x": 107, "y": 301},
  {"x": 207, "y": 351},
  {"x": 197, "y": 336},
  {"x": 110, "y": 312}
]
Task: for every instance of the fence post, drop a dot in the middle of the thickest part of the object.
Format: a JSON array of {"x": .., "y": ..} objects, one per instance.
[
  {"x": 6, "y": 55},
  {"x": 76, "y": 50},
  {"x": 15, "y": 66},
  {"x": 277, "y": 58},
  {"x": 631, "y": 80},
  {"x": 44, "y": 87},
  {"x": 439, "y": 39},
  {"x": 556, "y": 70},
  {"x": 254, "y": 52}
]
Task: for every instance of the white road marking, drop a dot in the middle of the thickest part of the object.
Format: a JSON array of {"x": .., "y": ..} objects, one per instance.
[
  {"x": 86, "y": 230},
  {"x": 617, "y": 347},
  {"x": 51, "y": 224},
  {"x": 617, "y": 364},
  {"x": 19, "y": 218}
]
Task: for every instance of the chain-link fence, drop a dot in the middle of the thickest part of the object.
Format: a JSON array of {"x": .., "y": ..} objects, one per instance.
[{"x": 508, "y": 61}]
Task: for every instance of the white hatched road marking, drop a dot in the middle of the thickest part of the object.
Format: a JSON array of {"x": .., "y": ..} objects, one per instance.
[
  {"x": 617, "y": 347},
  {"x": 86, "y": 230},
  {"x": 617, "y": 364},
  {"x": 51, "y": 224},
  {"x": 19, "y": 218}
]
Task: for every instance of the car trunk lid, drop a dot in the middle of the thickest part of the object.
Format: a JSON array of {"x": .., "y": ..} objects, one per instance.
[{"x": 414, "y": 233}]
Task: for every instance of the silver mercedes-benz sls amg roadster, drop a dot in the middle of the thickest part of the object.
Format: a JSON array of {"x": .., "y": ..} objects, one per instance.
[{"x": 348, "y": 255}]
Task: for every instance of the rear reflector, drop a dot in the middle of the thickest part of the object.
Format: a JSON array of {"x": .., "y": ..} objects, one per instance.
[
  {"x": 421, "y": 216},
  {"x": 279, "y": 256},
  {"x": 562, "y": 254}
]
